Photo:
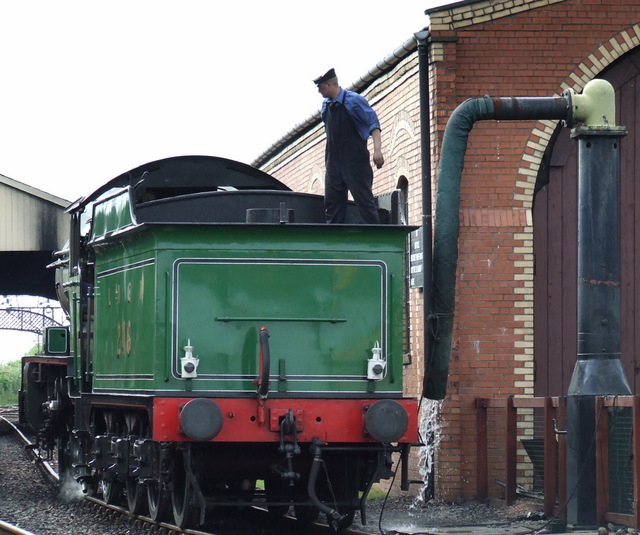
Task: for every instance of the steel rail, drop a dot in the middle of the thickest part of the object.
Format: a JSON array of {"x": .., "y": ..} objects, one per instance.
[
  {"x": 10, "y": 529},
  {"x": 161, "y": 527},
  {"x": 30, "y": 446},
  {"x": 7, "y": 528}
]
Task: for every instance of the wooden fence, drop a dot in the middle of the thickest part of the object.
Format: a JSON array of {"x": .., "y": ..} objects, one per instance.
[
  {"x": 507, "y": 429},
  {"x": 618, "y": 503}
]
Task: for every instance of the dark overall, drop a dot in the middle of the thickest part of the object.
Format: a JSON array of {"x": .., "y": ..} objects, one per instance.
[{"x": 348, "y": 168}]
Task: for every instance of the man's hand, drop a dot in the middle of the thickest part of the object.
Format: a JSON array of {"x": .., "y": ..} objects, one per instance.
[{"x": 378, "y": 158}]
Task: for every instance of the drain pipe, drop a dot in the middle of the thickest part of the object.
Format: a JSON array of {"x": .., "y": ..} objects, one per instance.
[
  {"x": 446, "y": 229},
  {"x": 425, "y": 157}
]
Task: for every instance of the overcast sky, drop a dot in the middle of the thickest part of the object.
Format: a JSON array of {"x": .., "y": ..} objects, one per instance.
[
  {"x": 89, "y": 90},
  {"x": 92, "y": 89}
]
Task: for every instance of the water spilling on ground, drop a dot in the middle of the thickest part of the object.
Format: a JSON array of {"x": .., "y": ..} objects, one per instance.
[{"x": 430, "y": 433}]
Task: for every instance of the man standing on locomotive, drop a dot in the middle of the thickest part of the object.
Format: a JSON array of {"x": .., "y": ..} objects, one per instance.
[{"x": 349, "y": 121}]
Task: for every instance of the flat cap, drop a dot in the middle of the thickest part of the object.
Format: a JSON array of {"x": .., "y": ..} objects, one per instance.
[{"x": 331, "y": 73}]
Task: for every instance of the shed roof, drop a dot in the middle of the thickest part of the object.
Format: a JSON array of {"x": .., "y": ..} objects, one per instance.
[{"x": 35, "y": 192}]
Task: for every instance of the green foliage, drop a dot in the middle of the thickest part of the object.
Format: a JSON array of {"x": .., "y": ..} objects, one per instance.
[
  {"x": 35, "y": 350},
  {"x": 9, "y": 382},
  {"x": 376, "y": 493}
]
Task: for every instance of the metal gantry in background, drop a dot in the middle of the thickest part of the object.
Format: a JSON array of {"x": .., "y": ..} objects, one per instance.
[{"x": 34, "y": 317}]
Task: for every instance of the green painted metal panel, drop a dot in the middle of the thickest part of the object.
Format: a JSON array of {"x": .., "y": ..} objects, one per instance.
[
  {"x": 327, "y": 295},
  {"x": 112, "y": 214},
  {"x": 125, "y": 326},
  {"x": 323, "y": 316},
  {"x": 57, "y": 340}
]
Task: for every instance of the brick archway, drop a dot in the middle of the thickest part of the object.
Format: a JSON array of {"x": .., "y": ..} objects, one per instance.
[
  {"x": 598, "y": 61},
  {"x": 554, "y": 214}
]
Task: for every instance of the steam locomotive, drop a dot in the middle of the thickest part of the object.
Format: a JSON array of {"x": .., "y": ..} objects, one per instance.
[{"x": 226, "y": 347}]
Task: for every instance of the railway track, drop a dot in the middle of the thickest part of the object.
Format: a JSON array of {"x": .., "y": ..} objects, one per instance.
[
  {"x": 284, "y": 525},
  {"x": 9, "y": 412},
  {"x": 252, "y": 517},
  {"x": 44, "y": 463},
  {"x": 10, "y": 529}
]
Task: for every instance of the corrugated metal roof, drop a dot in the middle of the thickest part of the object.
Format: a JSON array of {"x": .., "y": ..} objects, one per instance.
[
  {"x": 30, "y": 219},
  {"x": 30, "y": 190}
]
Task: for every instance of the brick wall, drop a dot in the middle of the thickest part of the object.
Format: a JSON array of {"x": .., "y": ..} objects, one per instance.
[
  {"x": 500, "y": 48},
  {"x": 506, "y": 48}
]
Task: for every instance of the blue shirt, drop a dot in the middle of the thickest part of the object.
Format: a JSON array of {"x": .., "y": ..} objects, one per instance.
[{"x": 364, "y": 118}]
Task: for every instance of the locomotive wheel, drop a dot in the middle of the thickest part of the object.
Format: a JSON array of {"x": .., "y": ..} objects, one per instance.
[
  {"x": 136, "y": 425},
  {"x": 111, "y": 491},
  {"x": 63, "y": 440},
  {"x": 135, "y": 496},
  {"x": 340, "y": 490},
  {"x": 158, "y": 502},
  {"x": 183, "y": 496},
  {"x": 65, "y": 463}
]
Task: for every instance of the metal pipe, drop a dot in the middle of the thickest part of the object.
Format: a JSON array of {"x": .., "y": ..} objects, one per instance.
[
  {"x": 446, "y": 229},
  {"x": 333, "y": 516},
  {"x": 598, "y": 370},
  {"x": 427, "y": 208},
  {"x": 265, "y": 364},
  {"x": 524, "y": 108}
]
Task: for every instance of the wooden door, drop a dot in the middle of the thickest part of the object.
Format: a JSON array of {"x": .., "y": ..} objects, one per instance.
[{"x": 555, "y": 224}]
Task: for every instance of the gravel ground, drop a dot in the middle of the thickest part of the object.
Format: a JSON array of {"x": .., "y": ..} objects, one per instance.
[
  {"x": 404, "y": 515},
  {"x": 28, "y": 500}
]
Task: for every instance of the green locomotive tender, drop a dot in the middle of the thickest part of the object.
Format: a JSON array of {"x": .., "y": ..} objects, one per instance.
[{"x": 222, "y": 334}]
